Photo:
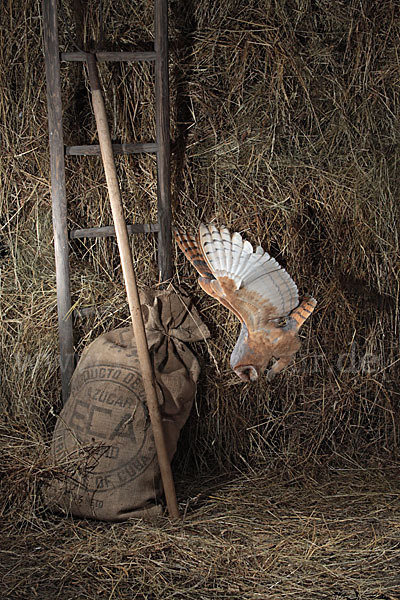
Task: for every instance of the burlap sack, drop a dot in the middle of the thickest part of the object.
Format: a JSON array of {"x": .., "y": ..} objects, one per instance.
[{"x": 103, "y": 440}]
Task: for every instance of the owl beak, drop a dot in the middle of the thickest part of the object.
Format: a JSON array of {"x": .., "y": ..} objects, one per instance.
[{"x": 247, "y": 373}]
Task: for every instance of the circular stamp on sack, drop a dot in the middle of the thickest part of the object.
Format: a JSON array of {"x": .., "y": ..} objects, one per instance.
[{"x": 104, "y": 428}]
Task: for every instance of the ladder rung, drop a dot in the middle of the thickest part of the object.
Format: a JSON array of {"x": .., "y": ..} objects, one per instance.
[
  {"x": 94, "y": 149},
  {"x": 110, "y": 56},
  {"x": 93, "y": 310},
  {"x": 108, "y": 231}
]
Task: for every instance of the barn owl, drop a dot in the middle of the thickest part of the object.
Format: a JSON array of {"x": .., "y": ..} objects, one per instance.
[{"x": 253, "y": 286}]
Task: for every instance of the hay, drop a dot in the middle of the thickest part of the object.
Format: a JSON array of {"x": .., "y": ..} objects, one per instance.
[
  {"x": 285, "y": 127},
  {"x": 252, "y": 538}
]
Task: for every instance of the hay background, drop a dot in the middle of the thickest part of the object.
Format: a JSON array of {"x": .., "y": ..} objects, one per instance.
[{"x": 285, "y": 127}]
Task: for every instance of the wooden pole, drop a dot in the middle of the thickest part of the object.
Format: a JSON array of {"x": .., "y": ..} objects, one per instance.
[
  {"x": 131, "y": 286},
  {"x": 58, "y": 193},
  {"x": 163, "y": 139}
]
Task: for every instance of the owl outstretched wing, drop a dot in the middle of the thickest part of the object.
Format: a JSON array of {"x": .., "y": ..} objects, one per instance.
[{"x": 250, "y": 283}]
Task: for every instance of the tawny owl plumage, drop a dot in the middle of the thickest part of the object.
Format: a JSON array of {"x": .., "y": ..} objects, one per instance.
[{"x": 257, "y": 290}]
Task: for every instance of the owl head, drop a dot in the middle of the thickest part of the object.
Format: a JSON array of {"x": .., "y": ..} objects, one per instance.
[{"x": 246, "y": 361}]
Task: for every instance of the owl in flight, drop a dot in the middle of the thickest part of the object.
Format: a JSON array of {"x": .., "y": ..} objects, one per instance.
[{"x": 257, "y": 290}]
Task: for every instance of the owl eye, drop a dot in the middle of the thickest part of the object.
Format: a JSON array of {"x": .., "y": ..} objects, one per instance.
[{"x": 282, "y": 322}]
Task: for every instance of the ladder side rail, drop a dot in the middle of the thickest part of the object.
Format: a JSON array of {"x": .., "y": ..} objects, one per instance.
[
  {"x": 163, "y": 139},
  {"x": 58, "y": 193}
]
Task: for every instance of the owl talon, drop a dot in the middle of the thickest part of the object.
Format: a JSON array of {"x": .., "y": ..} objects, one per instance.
[{"x": 270, "y": 375}]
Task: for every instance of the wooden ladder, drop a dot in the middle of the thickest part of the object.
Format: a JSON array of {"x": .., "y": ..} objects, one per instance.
[{"x": 58, "y": 152}]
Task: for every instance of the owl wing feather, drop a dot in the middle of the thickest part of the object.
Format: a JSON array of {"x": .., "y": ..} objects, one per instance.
[
  {"x": 193, "y": 252},
  {"x": 250, "y": 284},
  {"x": 253, "y": 282}
]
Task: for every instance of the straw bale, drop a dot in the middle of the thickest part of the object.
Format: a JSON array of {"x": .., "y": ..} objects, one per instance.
[{"x": 284, "y": 126}]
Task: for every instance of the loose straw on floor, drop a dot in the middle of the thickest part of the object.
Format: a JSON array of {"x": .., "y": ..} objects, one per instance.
[{"x": 131, "y": 286}]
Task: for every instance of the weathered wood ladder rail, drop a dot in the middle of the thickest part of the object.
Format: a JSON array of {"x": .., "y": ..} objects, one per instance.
[{"x": 58, "y": 152}]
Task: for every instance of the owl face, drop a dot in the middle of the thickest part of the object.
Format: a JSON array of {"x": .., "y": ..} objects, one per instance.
[{"x": 246, "y": 361}]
